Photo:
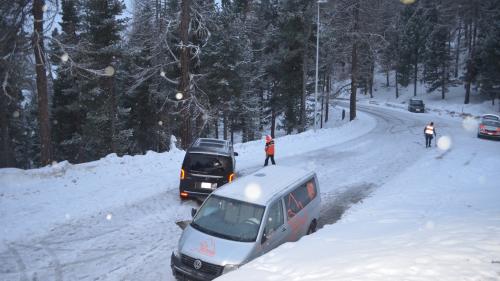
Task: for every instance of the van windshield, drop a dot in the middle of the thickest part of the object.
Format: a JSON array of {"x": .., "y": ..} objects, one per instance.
[
  {"x": 416, "y": 102},
  {"x": 229, "y": 219},
  {"x": 207, "y": 163}
]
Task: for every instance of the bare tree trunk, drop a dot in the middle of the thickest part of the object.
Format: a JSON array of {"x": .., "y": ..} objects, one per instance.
[
  {"x": 396, "y": 83},
  {"x": 112, "y": 112},
  {"x": 372, "y": 70},
  {"x": 387, "y": 84},
  {"x": 216, "y": 124},
  {"x": 184, "y": 79},
  {"x": 6, "y": 151},
  {"x": 327, "y": 101},
  {"x": 41, "y": 84},
  {"x": 224, "y": 125},
  {"x": 457, "y": 52},
  {"x": 231, "y": 128},
  {"x": 273, "y": 122},
  {"x": 354, "y": 65},
  {"x": 305, "y": 58},
  {"x": 443, "y": 83},
  {"x": 415, "y": 74}
]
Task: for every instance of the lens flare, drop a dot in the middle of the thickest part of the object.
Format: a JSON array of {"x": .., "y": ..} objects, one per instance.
[
  {"x": 470, "y": 124},
  {"x": 179, "y": 96},
  {"x": 253, "y": 191},
  {"x": 64, "y": 57},
  {"x": 109, "y": 71},
  {"x": 407, "y": 2},
  {"x": 109, "y": 217},
  {"x": 444, "y": 143}
]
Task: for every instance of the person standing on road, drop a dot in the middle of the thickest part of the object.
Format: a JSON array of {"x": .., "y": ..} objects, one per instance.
[
  {"x": 429, "y": 132},
  {"x": 269, "y": 149}
]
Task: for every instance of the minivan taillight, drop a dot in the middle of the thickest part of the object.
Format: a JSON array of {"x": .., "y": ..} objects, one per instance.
[
  {"x": 231, "y": 177},
  {"x": 481, "y": 128},
  {"x": 183, "y": 174}
]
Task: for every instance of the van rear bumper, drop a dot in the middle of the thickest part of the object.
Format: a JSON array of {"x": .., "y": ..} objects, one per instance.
[
  {"x": 193, "y": 187},
  {"x": 183, "y": 273}
]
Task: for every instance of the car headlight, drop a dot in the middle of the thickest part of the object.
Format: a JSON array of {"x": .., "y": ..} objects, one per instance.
[
  {"x": 176, "y": 253},
  {"x": 229, "y": 268}
]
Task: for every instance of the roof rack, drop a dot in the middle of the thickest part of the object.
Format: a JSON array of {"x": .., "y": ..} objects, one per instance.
[{"x": 217, "y": 144}]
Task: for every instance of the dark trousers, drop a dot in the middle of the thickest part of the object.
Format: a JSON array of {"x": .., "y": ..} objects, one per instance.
[
  {"x": 428, "y": 139},
  {"x": 267, "y": 159}
]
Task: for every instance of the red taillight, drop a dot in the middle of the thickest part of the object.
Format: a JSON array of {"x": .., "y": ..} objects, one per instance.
[
  {"x": 481, "y": 127},
  {"x": 183, "y": 174},
  {"x": 184, "y": 194},
  {"x": 231, "y": 177}
]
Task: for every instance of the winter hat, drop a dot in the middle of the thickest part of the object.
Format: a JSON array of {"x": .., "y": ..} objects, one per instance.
[{"x": 268, "y": 138}]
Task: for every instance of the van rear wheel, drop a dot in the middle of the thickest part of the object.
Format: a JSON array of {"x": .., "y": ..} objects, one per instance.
[{"x": 312, "y": 227}]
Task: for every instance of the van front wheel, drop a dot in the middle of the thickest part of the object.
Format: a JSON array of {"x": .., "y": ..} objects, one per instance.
[{"x": 312, "y": 227}]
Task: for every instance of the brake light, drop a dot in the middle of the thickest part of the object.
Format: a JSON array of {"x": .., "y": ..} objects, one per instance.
[
  {"x": 183, "y": 174},
  {"x": 481, "y": 127},
  {"x": 231, "y": 177},
  {"x": 184, "y": 194}
]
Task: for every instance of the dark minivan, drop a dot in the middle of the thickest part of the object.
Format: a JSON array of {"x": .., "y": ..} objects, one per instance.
[
  {"x": 208, "y": 164},
  {"x": 416, "y": 105}
]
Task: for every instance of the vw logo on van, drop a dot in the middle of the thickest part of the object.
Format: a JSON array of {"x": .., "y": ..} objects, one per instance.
[{"x": 197, "y": 264}]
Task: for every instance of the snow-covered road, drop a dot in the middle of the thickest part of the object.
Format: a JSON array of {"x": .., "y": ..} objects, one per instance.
[{"x": 134, "y": 240}]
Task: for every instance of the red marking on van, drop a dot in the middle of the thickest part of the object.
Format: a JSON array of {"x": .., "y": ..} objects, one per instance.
[
  {"x": 310, "y": 190},
  {"x": 207, "y": 248}
]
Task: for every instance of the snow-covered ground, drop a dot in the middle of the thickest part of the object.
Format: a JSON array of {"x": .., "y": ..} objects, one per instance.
[
  {"x": 391, "y": 209},
  {"x": 438, "y": 219},
  {"x": 115, "y": 218}
]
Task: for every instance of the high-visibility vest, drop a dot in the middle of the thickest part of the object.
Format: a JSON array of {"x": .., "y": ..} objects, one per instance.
[
  {"x": 270, "y": 147},
  {"x": 429, "y": 130}
]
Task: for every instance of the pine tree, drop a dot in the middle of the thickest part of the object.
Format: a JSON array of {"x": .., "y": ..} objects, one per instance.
[
  {"x": 100, "y": 49},
  {"x": 488, "y": 49},
  {"x": 67, "y": 114},
  {"x": 437, "y": 56},
  {"x": 15, "y": 67}
]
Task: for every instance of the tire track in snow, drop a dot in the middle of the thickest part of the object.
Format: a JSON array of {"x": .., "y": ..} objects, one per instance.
[{"x": 23, "y": 276}]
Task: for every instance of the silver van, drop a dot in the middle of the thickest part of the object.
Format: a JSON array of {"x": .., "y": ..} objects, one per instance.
[{"x": 245, "y": 219}]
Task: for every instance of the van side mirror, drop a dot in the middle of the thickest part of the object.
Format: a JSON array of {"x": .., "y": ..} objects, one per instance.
[
  {"x": 193, "y": 212},
  {"x": 235, "y": 153},
  {"x": 264, "y": 238}
]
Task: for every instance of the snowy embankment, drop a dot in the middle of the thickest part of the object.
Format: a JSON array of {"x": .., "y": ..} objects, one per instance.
[
  {"x": 32, "y": 202},
  {"x": 453, "y": 104}
]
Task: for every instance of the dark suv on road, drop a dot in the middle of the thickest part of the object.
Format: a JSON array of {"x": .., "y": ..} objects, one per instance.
[
  {"x": 208, "y": 164},
  {"x": 416, "y": 105}
]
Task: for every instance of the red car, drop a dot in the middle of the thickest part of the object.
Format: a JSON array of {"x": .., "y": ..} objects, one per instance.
[{"x": 489, "y": 127}]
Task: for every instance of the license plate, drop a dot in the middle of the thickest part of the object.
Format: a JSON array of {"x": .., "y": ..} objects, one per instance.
[{"x": 208, "y": 185}]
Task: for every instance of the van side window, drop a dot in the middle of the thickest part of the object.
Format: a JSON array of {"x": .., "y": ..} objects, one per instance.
[
  {"x": 275, "y": 217},
  {"x": 300, "y": 197}
]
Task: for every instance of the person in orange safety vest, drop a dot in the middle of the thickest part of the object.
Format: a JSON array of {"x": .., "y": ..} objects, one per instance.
[
  {"x": 429, "y": 132},
  {"x": 269, "y": 149}
]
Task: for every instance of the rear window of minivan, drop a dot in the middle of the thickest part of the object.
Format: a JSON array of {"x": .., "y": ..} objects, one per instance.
[
  {"x": 299, "y": 198},
  {"x": 207, "y": 163}
]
